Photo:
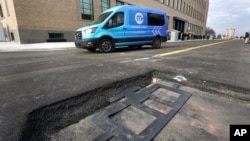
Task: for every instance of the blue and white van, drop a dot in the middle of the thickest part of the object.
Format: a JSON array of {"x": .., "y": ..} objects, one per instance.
[{"x": 123, "y": 26}]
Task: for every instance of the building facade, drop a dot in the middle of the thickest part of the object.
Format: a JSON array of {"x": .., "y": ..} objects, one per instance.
[
  {"x": 230, "y": 33},
  {"x": 33, "y": 21}
]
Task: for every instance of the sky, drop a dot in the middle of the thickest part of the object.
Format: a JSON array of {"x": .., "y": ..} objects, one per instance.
[{"x": 223, "y": 14}]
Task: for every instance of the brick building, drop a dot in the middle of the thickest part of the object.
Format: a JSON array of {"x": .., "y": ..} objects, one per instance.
[
  {"x": 230, "y": 34},
  {"x": 33, "y": 21}
]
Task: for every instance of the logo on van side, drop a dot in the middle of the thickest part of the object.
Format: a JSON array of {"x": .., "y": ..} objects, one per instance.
[{"x": 139, "y": 18}]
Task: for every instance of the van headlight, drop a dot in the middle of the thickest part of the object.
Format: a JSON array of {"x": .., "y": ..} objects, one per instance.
[{"x": 90, "y": 30}]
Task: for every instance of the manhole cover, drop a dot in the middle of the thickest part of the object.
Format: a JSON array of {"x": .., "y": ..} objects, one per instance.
[{"x": 156, "y": 105}]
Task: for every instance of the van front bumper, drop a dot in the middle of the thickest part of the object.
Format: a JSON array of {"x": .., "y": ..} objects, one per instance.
[{"x": 87, "y": 43}]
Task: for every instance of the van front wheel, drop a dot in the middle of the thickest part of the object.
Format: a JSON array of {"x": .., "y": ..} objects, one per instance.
[
  {"x": 156, "y": 43},
  {"x": 91, "y": 49},
  {"x": 106, "y": 45}
]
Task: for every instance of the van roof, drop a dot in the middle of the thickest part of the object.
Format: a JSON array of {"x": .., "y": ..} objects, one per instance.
[{"x": 133, "y": 7}]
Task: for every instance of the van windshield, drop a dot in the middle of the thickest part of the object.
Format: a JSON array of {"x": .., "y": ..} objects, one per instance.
[{"x": 101, "y": 18}]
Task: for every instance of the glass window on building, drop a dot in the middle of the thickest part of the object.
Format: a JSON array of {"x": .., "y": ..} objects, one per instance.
[
  {"x": 171, "y": 3},
  {"x": 184, "y": 7},
  {"x": 176, "y": 4},
  {"x": 192, "y": 10},
  {"x": 196, "y": 14},
  {"x": 56, "y": 35},
  {"x": 167, "y": 2},
  {"x": 119, "y": 3},
  {"x": 200, "y": 16},
  {"x": 162, "y": 1},
  {"x": 189, "y": 10},
  {"x": 179, "y": 5},
  {"x": 87, "y": 9},
  {"x": 203, "y": 4},
  {"x": 12, "y": 36},
  {"x": 105, "y": 4}
]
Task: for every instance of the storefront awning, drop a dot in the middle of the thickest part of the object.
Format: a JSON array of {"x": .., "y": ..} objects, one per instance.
[{"x": 178, "y": 18}]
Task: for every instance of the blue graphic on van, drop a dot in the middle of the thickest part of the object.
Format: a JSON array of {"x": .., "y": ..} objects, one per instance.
[{"x": 124, "y": 26}]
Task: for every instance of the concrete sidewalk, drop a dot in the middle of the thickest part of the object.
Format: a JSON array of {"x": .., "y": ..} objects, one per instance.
[{"x": 17, "y": 47}]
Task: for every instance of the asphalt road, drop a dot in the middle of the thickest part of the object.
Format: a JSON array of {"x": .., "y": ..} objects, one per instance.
[{"x": 31, "y": 80}]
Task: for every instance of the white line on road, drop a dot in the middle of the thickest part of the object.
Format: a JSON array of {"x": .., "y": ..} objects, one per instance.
[
  {"x": 127, "y": 61},
  {"x": 141, "y": 59}
]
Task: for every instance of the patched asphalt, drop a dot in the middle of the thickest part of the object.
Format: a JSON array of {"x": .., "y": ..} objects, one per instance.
[
  {"x": 202, "y": 117},
  {"x": 34, "y": 85}
]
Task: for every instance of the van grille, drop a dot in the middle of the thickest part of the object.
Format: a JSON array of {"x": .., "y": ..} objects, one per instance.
[{"x": 78, "y": 35}]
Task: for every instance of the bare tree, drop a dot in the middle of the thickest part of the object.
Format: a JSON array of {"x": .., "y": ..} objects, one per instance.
[{"x": 209, "y": 31}]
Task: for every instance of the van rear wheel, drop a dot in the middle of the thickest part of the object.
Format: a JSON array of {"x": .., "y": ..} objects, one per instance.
[
  {"x": 106, "y": 45},
  {"x": 156, "y": 43}
]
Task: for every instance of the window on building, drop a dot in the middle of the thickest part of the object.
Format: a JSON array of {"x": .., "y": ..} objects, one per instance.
[
  {"x": 196, "y": 14},
  {"x": 200, "y": 16},
  {"x": 184, "y": 7},
  {"x": 116, "y": 21},
  {"x": 171, "y": 3},
  {"x": 87, "y": 9},
  {"x": 179, "y": 4},
  {"x": 1, "y": 11},
  {"x": 191, "y": 13},
  {"x": 105, "y": 4},
  {"x": 189, "y": 10},
  {"x": 155, "y": 19},
  {"x": 162, "y": 1},
  {"x": 56, "y": 36},
  {"x": 12, "y": 36},
  {"x": 203, "y": 3},
  {"x": 167, "y": 2},
  {"x": 119, "y": 3},
  {"x": 176, "y": 4}
]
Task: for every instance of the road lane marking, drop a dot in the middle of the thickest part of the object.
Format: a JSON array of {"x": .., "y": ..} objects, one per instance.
[
  {"x": 127, "y": 61},
  {"x": 136, "y": 60},
  {"x": 186, "y": 50},
  {"x": 141, "y": 59},
  {"x": 153, "y": 58}
]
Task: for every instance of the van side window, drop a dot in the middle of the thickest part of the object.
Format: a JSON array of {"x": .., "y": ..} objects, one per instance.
[
  {"x": 155, "y": 19},
  {"x": 116, "y": 21}
]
